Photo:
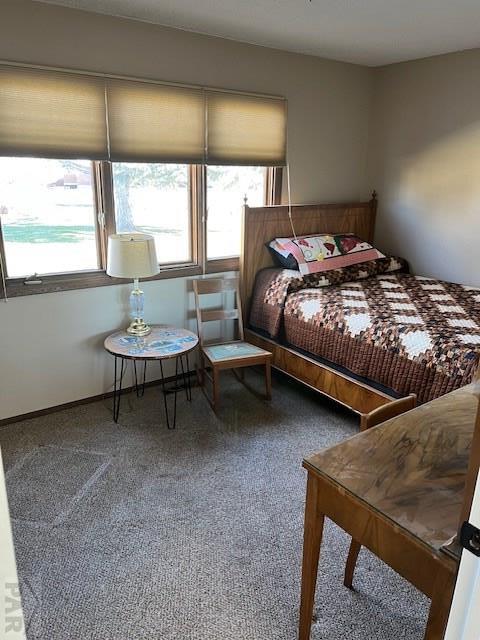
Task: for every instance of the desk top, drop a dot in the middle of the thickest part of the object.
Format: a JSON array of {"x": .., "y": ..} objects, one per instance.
[
  {"x": 411, "y": 469},
  {"x": 162, "y": 342}
]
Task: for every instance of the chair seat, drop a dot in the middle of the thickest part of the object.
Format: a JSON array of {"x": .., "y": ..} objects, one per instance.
[{"x": 233, "y": 350}]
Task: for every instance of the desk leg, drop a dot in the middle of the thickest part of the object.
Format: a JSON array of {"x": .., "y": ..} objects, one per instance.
[
  {"x": 312, "y": 540},
  {"x": 117, "y": 388},
  {"x": 443, "y": 588}
]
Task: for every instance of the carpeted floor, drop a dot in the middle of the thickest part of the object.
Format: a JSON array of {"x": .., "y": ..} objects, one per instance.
[{"x": 133, "y": 532}]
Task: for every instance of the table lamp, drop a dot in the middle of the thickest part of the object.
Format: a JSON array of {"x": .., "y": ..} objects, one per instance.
[{"x": 133, "y": 255}]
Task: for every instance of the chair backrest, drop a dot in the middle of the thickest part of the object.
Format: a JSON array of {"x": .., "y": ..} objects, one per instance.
[
  {"x": 217, "y": 285},
  {"x": 387, "y": 411}
]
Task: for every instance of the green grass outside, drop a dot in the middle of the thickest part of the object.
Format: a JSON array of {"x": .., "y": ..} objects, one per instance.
[{"x": 46, "y": 233}]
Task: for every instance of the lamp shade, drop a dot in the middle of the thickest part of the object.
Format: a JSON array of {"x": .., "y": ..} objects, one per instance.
[{"x": 132, "y": 255}]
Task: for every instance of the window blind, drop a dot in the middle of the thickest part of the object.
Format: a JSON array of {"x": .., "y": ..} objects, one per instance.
[
  {"x": 245, "y": 129},
  {"x": 63, "y": 114},
  {"x": 155, "y": 123},
  {"x": 52, "y": 114}
]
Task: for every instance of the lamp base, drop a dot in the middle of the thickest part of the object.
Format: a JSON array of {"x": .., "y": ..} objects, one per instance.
[{"x": 138, "y": 328}]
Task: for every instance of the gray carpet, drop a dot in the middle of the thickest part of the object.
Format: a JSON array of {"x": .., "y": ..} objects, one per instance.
[{"x": 133, "y": 532}]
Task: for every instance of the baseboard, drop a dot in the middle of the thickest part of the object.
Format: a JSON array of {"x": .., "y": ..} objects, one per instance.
[{"x": 76, "y": 403}]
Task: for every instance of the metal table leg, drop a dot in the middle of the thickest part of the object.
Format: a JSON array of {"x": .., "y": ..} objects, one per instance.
[
  {"x": 117, "y": 388},
  {"x": 189, "y": 378},
  {"x": 187, "y": 384},
  {"x": 140, "y": 390},
  {"x": 165, "y": 391}
]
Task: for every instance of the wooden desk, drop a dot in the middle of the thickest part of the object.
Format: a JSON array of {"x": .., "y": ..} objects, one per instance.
[{"x": 398, "y": 490}]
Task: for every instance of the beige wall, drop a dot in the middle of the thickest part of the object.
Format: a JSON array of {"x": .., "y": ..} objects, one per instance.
[
  {"x": 425, "y": 163},
  {"x": 328, "y": 102},
  {"x": 50, "y": 345}
]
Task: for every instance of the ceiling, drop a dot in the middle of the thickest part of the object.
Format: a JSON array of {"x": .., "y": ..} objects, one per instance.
[{"x": 369, "y": 32}]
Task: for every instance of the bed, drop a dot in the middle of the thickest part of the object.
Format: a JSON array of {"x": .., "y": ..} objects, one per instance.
[{"x": 362, "y": 335}]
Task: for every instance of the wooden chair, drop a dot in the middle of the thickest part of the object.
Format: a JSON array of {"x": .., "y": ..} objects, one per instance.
[
  {"x": 219, "y": 355},
  {"x": 387, "y": 411}
]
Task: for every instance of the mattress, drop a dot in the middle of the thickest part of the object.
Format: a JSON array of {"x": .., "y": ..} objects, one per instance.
[{"x": 407, "y": 333}]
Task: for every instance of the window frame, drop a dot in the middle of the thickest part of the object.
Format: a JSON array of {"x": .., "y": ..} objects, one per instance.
[
  {"x": 232, "y": 263},
  {"x": 104, "y": 209}
]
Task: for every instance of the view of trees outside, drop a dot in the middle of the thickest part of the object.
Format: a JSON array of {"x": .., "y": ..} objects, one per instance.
[
  {"x": 226, "y": 189},
  {"x": 154, "y": 198},
  {"x": 47, "y": 214}
]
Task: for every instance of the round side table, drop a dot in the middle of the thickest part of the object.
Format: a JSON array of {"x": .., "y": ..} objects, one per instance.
[{"x": 163, "y": 343}]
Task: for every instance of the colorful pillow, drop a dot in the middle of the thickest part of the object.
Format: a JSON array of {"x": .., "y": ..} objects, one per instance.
[
  {"x": 314, "y": 254},
  {"x": 282, "y": 257}
]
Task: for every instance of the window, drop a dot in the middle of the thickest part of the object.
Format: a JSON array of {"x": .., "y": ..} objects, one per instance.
[
  {"x": 56, "y": 216},
  {"x": 83, "y": 156},
  {"x": 48, "y": 216},
  {"x": 228, "y": 188},
  {"x": 155, "y": 198}
]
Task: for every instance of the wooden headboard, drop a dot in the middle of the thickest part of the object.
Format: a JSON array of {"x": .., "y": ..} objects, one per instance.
[{"x": 262, "y": 224}]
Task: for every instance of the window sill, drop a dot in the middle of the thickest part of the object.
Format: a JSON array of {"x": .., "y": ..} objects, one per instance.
[
  {"x": 223, "y": 264},
  {"x": 16, "y": 287}
]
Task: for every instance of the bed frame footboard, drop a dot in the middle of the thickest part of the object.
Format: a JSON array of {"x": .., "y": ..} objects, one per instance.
[{"x": 351, "y": 393}]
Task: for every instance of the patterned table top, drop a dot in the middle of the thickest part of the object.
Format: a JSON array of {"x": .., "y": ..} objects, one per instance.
[{"x": 162, "y": 342}]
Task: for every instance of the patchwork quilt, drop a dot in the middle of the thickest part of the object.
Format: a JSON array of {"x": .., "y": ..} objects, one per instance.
[{"x": 408, "y": 333}]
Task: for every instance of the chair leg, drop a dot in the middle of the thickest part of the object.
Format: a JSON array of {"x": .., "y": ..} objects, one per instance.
[
  {"x": 216, "y": 388},
  {"x": 201, "y": 371},
  {"x": 268, "y": 380},
  {"x": 351, "y": 563}
]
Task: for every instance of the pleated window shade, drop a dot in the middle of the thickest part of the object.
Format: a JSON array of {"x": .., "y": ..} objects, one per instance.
[
  {"x": 245, "y": 129},
  {"x": 52, "y": 114},
  {"x": 61, "y": 114},
  {"x": 155, "y": 123}
]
